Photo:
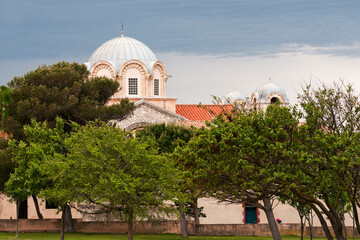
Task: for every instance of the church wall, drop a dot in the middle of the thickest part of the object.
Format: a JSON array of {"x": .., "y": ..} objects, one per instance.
[
  {"x": 104, "y": 73},
  {"x": 163, "y": 87},
  {"x": 167, "y": 103},
  {"x": 8, "y": 210},
  {"x": 123, "y": 87},
  {"x": 148, "y": 86},
  {"x": 134, "y": 73},
  {"x": 222, "y": 213},
  {"x": 145, "y": 114}
]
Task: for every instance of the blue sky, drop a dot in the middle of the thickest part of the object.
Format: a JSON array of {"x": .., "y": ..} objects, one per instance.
[{"x": 225, "y": 34}]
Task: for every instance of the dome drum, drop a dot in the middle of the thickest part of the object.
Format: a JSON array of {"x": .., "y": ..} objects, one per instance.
[
  {"x": 133, "y": 64},
  {"x": 103, "y": 68},
  {"x": 268, "y": 93}
]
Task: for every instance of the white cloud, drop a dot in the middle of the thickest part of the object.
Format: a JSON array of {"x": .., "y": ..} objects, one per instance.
[
  {"x": 196, "y": 77},
  {"x": 305, "y": 48}
]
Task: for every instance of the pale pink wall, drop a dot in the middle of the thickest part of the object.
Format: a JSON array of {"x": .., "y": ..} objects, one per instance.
[
  {"x": 8, "y": 210},
  {"x": 104, "y": 73},
  {"x": 220, "y": 213}
]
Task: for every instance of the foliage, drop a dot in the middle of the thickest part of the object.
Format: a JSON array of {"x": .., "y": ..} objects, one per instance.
[
  {"x": 166, "y": 137},
  {"x": 6, "y": 164},
  {"x": 240, "y": 153},
  {"x": 110, "y": 168},
  {"x": 5, "y": 100},
  {"x": 326, "y": 166},
  {"x": 29, "y": 157},
  {"x": 61, "y": 90},
  {"x": 236, "y": 158}
]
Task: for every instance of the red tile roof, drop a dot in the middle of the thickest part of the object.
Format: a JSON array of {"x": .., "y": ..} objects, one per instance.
[
  {"x": 3, "y": 135},
  {"x": 187, "y": 123},
  {"x": 195, "y": 112}
]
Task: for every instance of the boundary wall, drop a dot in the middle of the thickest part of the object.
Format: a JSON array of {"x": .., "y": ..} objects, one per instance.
[{"x": 53, "y": 225}]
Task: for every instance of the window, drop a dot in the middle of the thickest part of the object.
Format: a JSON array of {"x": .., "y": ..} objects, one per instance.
[
  {"x": 274, "y": 100},
  {"x": 50, "y": 205},
  {"x": 156, "y": 87},
  {"x": 133, "y": 86}
]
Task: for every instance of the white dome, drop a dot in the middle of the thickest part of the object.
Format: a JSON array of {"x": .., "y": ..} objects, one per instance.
[
  {"x": 121, "y": 49},
  {"x": 266, "y": 89},
  {"x": 234, "y": 96}
]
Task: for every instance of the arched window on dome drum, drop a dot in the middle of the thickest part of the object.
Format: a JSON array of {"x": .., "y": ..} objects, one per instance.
[
  {"x": 133, "y": 86},
  {"x": 156, "y": 87},
  {"x": 274, "y": 100}
]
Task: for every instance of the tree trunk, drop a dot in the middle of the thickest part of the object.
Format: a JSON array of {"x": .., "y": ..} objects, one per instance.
[
  {"x": 130, "y": 229},
  {"x": 196, "y": 211},
  {"x": 302, "y": 226},
  {"x": 62, "y": 225},
  {"x": 17, "y": 219},
  {"x": 322, "y": 222},
  {"x": 309, "y": 218},
  {"x": 343, "y": 224},
  {"x": 356, "y": 215},
  {"x": 334, "y": 217},
  {"x": 337, "y": 226},
  {"x": 40, "y": 216},
  {"x": 68, "y": 223},
  {"x": 353, "y": 228},
  {"x": 130, "y": 223},
  {"x": 271, "y": 219},
  {"x": 183, "y": 227}
]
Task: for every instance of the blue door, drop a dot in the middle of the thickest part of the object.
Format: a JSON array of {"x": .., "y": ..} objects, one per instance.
[{"x": 250, "y": 214}]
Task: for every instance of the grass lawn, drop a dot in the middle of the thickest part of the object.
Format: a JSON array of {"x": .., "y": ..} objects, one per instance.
[{"x": 83, "y": 236}]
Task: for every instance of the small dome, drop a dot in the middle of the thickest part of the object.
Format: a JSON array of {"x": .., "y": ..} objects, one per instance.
[
  {"x": 234, "y": 96},
  {"x": 121, "y": 49},
  {"x": 266, "y": 89}
]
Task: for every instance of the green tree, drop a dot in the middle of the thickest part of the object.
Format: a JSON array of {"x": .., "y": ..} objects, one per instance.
[
  {"x": 167, "y": 137},
  {"x": 29, "y": 178},
  {"x": 237, "y": 157},
  {"x": 110, "y": 168},
  {"x": 59, "y": 90},
  {"x": 325, "y": 170},
  {"x": 6, "y": 164},
  {"x": 304, "y": 212}
]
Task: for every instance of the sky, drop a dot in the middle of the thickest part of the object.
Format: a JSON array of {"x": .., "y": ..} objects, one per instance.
[{"x": 209, "y": 47}]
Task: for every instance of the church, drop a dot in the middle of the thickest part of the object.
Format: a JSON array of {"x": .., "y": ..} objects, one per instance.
[{"x": 143, "y": 79}]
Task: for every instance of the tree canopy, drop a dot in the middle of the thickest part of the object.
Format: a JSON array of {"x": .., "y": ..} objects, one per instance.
[
  {"x": 236, "y": 158},
  {"x": 253, "y": 156},
  {"x": 326, "y": 166},
  {"x": 61, "y": 90},
  {"x": 4, "y": 101},
  {"x": 110, "y": 168},
  {"x": 166, "y": 138}
]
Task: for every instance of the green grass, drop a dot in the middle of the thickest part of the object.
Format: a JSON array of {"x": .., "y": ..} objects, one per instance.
[{"x": 88, "y": 236}]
